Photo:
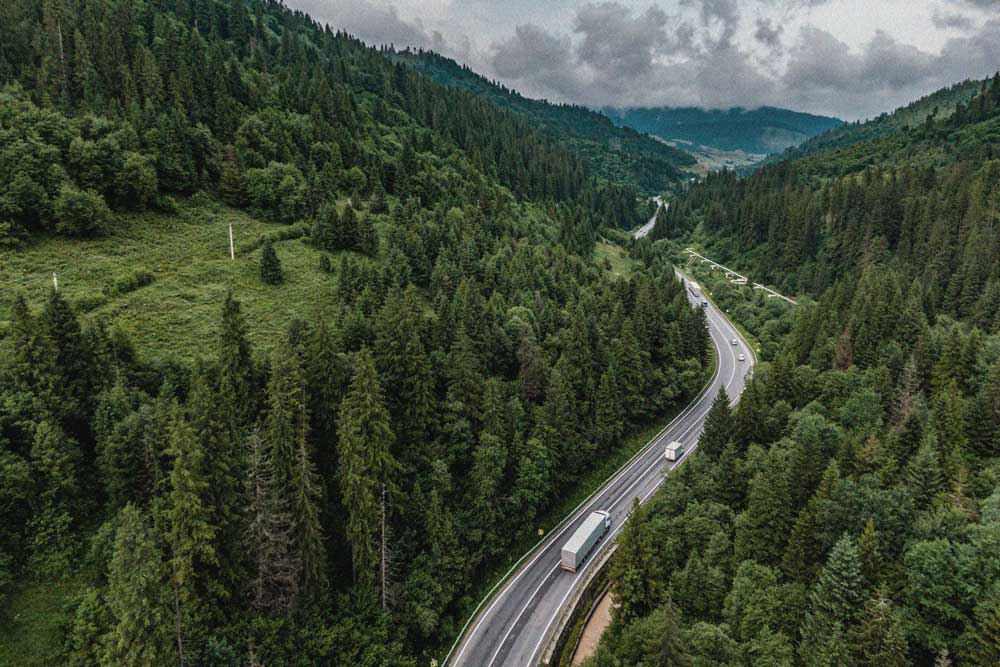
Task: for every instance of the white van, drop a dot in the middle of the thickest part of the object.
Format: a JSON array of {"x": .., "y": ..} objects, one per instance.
[{"x": 674, "y": 451}]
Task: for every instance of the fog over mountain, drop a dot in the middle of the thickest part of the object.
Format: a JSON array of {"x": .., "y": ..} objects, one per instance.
[{"x": 846, "y": 58}]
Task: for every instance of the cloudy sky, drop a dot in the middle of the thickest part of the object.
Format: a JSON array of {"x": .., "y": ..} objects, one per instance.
[{"x": 848, "y": 58}]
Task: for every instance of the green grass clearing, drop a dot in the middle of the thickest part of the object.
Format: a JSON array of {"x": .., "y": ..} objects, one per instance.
[
  {"x": 177, "y": 315},
  {"x": 31, "y": 628}
]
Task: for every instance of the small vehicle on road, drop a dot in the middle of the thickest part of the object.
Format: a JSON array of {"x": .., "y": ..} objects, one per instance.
[
  {"x": 674, "y": 451},
  {"x": 734, "y": 342},
  {"x": 704, "y": 303},
  {"x": 742, "y": 357}
]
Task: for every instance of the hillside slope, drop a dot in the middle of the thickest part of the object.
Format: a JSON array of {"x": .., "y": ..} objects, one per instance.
[
  {"x": 619, "y": 154},
  {"x": 764, "y": 130},
  {"x": 941, "y": 104}
]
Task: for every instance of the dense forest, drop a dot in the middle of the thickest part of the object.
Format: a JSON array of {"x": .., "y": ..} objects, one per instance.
[
  {"x": 923, "y": 200},
  {"x": 847, "y": 511},
  {"x": 341, "y": 498},
  {"x": 619, "y": 154}
]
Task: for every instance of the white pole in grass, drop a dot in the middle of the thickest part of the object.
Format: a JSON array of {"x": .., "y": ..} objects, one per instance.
[
  {"x": 55, "y": 281},
  {"x": 232, "y": 251}
]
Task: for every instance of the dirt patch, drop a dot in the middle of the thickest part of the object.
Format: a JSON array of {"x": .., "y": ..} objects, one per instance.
[{"x": 599, "y": 620}]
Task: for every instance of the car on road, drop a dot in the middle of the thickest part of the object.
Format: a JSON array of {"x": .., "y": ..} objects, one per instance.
[
  {"x": 734, "y": 342},
  {"x": 742, "y": 357}
]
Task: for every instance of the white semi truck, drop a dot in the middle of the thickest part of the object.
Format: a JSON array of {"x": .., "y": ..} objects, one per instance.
[{"x": 578, "y": 547}]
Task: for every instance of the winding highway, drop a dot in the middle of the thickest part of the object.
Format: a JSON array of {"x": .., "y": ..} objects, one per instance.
[{"x": 514, "y": 625}]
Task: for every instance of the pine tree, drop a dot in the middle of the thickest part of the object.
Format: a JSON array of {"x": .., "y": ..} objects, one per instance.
[
  {"x": 762, "y": 528},
  {"x": 984, "y": 649},
  {"x": 871, "y": 557},
  {"x": 323, "y": 234},
  {"x": 224, "y": 468},
  {"x": 137, "y": 598},
  {"x": 192, "y": 529},
  {"x": 718, "y": 427},
  {"x": 608, "y": 422},
  {"x": 834, "y": 602},
  {"x": 923, "y": 473},
  {"x": 631, "y": 378},
  {"x": 634, "y": 573},
  {"x": 270, "y": 265},
  {"x": 236, "y": 368},
  {"x": 878, "y": 639},
  {"x": 231, "y": 185},
  {"x": 366, "y": 464}
]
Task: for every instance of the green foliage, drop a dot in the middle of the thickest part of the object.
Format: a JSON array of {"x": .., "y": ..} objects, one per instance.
[
  {"x": 270, "y": 265},
  {"x": 80, "y": 212}
]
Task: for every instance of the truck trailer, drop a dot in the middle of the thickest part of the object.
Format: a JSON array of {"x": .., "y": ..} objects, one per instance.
[
  {"x": 579, "y": 546},
  {"x": 674, "y": 451}
]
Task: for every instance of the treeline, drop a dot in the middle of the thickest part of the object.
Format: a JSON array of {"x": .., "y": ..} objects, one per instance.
[
  {"x": 114, "y": 105},
  {"x": 923, "y": 201},
  {"x": 845, "y": 513},
  {"x": 616, "y": 154}
]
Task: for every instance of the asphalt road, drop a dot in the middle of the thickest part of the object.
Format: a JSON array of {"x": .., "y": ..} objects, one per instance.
[
  {"x": 648, "y": 227},
  {"x": 512, "y": 628}
]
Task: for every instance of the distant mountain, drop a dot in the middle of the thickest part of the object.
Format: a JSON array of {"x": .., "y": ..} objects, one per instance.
[
  {"x": 760, "y": 131},
  {"x": 616, "y": 153},
  {"x": 941, "y": 104}
]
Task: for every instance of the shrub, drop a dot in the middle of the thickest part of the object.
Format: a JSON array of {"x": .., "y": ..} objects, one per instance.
[
  {"x": 270, "y": 265},
  {"x": 277, "y": 192},
  {"x": 81, "y": 212},
  {"x": 128, "y": 283},
  {"x": 324, "y": 263}
]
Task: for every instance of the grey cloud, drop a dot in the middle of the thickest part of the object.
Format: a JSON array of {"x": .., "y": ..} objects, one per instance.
[
  {"x": 768, "y": 34},
  {"x": 724, "y": 12},
  {"x": 374, "y": 23},
  {"x": 542, "y": 60},
  {"x": 616, "y": 43},
  {"x": 982, "y": 4},
  {"x": 951, "y": 20}
]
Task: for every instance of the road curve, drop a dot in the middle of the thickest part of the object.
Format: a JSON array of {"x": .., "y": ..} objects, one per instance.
[
  {"x": 512, "y": 627},
  {"x": 648, "y": 227}
]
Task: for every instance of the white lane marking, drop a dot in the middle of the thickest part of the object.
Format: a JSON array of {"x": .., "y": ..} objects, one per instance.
[
  {"x": 573, "y": 516},
  {"x": 721, "y": 327},
  {"x": 518, "y": 617},
  {"x": 655, "y": 486}
]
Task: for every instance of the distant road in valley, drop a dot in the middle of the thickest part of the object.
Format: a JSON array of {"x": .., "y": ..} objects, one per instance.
[{"x": 648, "y": 227}]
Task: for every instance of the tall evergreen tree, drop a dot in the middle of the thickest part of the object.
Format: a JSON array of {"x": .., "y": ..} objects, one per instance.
[
  {"x": 366, "y": 465},
  {"x": 718, "y": 429},
  {"x": 236, "y": 368},
  {"x": 138, "y": 600}
]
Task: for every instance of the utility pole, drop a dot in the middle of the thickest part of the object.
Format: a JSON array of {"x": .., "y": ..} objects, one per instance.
[
  {"x": 55, "y": 281},
  {"x": 232, "y": 251}
]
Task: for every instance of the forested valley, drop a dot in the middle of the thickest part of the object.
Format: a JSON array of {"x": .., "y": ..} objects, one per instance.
[
  {"x": 847, "y": 511},
  {"x": 341, "y": 492}
]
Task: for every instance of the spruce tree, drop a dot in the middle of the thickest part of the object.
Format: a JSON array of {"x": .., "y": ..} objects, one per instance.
[
  {"x": 224, "y": 468},
  {"x": 608, "y": 422},
  {"x": 366, "y": 464},
  {"x": 762, "y": 528},
  {"x": 718, "y": 429},
  {"x": 923, "y": 473},
  {"x": 834, "y": 602},
  {"x": 634, "y": 573},
  {"x": 878, "y": 639},
  {"x": 323, "y": 234},
  {"x": 270, "y": 265},
  {"x": 190, "y": 516},
  {"x": 984, "y": 648},
  {"x": 236, "y": 369},
  {"x": 138, "y": 600}
]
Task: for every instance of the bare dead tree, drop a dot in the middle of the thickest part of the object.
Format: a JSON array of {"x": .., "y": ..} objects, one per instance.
[{"x": 269, "y": 536}]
